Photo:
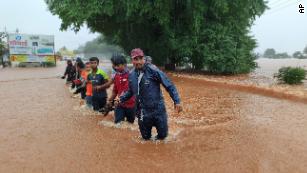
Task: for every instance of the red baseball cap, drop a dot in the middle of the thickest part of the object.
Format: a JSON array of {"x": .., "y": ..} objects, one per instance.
[{"x": 137, "y": 52}]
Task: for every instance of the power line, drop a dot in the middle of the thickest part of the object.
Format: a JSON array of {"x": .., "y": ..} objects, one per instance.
[
  {"x": 282, "y": 7},
  {"x": 278, "y": 2},
  {"x": 272, "y": 2},
  {"x": 277, "y": 5}
]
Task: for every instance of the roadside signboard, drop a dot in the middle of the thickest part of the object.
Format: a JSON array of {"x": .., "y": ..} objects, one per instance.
[{"x": 31, "y": 48}]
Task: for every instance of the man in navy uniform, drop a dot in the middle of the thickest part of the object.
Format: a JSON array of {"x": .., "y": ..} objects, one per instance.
[{"x": 144, "y": 83}]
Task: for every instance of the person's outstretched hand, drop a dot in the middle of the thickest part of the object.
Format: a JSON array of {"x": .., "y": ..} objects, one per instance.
[
  {"x": 116, "y": 102},
  {"x": 178, "y": 108},
  {"x": 109, "y": 103}
]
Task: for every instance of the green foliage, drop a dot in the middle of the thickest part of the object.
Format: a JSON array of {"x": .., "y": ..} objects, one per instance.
[
  {"x": 213, "y": 34},
  {"x": 269, "y": 53},
  {"x": 48, "y": 64},
  {"x": 291, "y": 75},
  {"x": 305, "y": 50},
  {"x": 281, "y": 55},
  {"x": 36, "y": 64},
  {"x": 298, "y": 55},
  {"x": 22, "y": 65}
]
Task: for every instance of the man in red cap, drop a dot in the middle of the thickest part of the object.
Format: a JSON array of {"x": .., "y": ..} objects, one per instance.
[{"x": 144, "y": 83}]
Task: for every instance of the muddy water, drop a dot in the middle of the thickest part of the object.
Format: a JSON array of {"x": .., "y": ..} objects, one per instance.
[
  {"x": 267, "y": 67},
  {"x": 44, "y": 129}
]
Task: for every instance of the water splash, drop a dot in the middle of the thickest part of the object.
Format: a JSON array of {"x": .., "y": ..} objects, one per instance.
[
  {"x": 121, "y": 125},
  {"x": 173, "y": 136},
  {"x": 173, "y": 133}
]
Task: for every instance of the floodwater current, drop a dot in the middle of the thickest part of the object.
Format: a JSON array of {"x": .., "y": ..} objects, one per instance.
[{"x": 44, "y": 129}]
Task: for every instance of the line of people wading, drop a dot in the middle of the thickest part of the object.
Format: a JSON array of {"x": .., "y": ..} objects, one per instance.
[{"x": 135, "y": 93}]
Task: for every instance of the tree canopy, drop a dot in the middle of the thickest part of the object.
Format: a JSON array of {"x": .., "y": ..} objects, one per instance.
[
  {"x": 282, "y": 55},
  {"x": 211, "y": 34},
  {"x": 269, "y": 53},
  {"x": 298, "y": 55}
]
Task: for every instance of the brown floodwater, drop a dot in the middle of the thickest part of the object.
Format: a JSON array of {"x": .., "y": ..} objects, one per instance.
[
  {"x": 44, "y": 129},
  {"x": 268, "y": 67}
]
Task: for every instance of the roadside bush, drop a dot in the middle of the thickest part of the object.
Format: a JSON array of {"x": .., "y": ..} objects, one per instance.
[
  {"x": 22, "y": 65},
  {"x": 291, "y": 75},
  {"x": 48, "y": 64}
]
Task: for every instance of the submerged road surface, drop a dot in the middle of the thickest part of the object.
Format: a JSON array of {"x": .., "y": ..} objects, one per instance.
[{"x": 44, "y": 129}]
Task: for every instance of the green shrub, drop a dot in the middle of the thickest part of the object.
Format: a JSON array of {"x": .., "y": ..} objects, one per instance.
[
  {"x": 291, "y": 75},
  {"x": 22, "y": 65},
  {"x": 48, "y": 64}
]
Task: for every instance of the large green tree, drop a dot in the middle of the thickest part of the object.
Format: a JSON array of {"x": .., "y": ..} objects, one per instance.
[
  {"x": 282, "y": 55},
  {"x": 212, "y": 34},
  {"x": 269, "y": 53},
  {"x": 298, "y": 55}
]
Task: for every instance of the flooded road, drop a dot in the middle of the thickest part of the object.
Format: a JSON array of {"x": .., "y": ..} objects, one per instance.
[
  {"x": 267, "y": 67},
  {"x": 44, "y": 129}
]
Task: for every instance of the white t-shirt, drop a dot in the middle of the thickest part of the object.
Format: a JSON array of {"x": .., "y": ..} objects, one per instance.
[{"x": 139, "y": 80}]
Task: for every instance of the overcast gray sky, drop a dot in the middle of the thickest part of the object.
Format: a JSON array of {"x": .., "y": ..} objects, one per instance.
[
  {"x": 282, "y": 27},
  {"x": 32, "y": 17}
]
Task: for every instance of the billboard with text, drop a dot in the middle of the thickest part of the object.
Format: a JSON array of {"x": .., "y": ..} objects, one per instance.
[{"x": 31, "y": 48}]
